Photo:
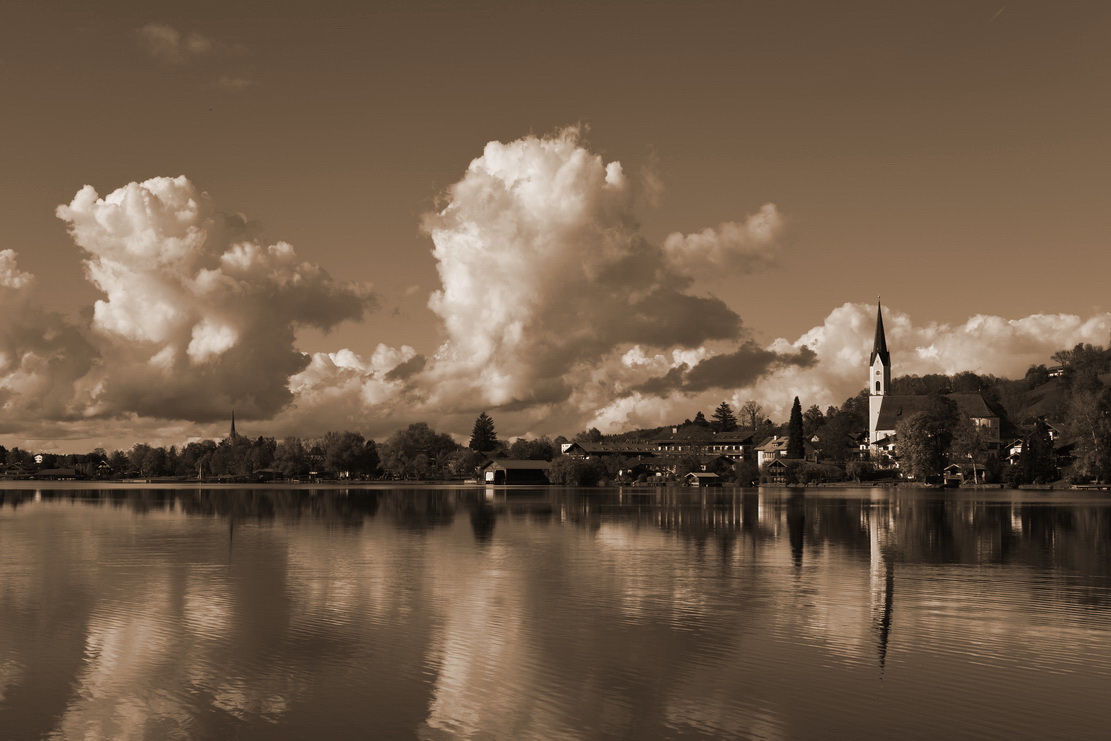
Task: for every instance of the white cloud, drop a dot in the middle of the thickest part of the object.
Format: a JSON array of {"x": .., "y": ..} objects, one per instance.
[
  {"x": 733, "y": 247},
  {"x": 42, "y": 356},
  {"x": 198, "y": 316},
  {"x": 545, "y": 274}
]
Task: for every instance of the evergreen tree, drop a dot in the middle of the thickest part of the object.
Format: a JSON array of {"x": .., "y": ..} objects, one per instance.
[
  {"x": 795, "y": 448},
  {"x": 483, "y": 436},
  {"x": 700, "y": 419},
  {"x": 724, "y": 419}
]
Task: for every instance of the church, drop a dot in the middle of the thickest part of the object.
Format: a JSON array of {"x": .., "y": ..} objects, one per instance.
[{"x": 886, "y": 410}]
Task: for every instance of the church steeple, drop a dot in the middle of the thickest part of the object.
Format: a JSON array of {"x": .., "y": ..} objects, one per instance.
[
  {"x": 232, "y": 434},
  {"x": 879, "y": 375},
  {"x": 879, "y": 345}
]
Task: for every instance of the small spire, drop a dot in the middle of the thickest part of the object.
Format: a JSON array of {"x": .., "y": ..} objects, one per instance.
[{"x": 233, "y": 435}]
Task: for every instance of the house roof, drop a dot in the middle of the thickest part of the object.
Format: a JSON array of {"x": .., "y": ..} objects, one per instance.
[
  {"x": 703, "y": 475},
  {"x": 518, "y": 464},
  {"x": 779, "y": 442},
  {"x": 611, "y": 448}
]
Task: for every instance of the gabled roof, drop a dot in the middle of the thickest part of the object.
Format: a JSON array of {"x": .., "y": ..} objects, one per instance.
[
  {"x": 972, "y": 405},
  {"x": 897, "y": 407},
  {"x": 780, "y": 442}
]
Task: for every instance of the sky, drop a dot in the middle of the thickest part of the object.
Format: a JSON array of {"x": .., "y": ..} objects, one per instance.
[{"x": 611, "y": 214}]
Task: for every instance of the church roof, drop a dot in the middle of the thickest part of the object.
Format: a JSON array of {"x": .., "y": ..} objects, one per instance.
[{"x": 897, "y": 407}]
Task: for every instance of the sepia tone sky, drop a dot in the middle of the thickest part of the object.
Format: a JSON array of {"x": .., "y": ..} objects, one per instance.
[{"x": 780, "y": 164}]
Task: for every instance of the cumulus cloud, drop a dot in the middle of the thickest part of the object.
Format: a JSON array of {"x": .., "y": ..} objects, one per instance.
[
  {"x": 545, "y": 273},
  {"x": 732, "y": 247},
  {"x": 198, "y": 315},
  {"x": 42, "y": 356}
]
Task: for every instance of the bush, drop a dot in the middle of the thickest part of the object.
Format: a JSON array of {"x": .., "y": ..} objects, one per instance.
[{"x": 860, "y": 470}]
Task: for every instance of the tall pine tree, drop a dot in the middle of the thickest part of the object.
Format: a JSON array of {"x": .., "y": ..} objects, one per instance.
[
  {"x": 483, "y": 437},
  {"x": 795, "y": 448},
  {"x": 724, "y": 419}
]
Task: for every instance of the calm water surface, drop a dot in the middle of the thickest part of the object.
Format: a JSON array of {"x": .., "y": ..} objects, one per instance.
[{"x": 434, "y": 613}]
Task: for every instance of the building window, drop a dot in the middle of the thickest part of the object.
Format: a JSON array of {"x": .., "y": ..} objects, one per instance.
[{"x": 877, "y": 387}]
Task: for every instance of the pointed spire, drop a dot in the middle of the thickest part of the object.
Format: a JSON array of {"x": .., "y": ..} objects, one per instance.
[
  {"x": 879, "y": 345},
  {"x": 233, "y": 435}
]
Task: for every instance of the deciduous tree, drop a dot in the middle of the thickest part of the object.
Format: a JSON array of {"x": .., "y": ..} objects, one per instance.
[{"x": 752, "y": 414}]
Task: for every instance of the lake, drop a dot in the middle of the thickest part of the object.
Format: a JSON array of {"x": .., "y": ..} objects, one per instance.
[{"x": 441, "y": 612}]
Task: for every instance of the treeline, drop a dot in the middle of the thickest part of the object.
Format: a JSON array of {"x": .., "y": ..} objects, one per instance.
[
  {"x": 348, "y": 453},
  {"x": 1073, "y": 395}
]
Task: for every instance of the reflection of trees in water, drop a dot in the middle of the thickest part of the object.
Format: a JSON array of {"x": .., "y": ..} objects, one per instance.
[
  {"x": 948, "y": 528},
  {"x": 419, "y": 510},
  {"x": 483, "y": 519}
]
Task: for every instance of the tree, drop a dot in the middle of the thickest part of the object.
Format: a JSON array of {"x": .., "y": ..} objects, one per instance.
[
  {"x": 483, "y": 437},
  {"x": 968, "y": 443},
  {"x": 593, "y": 435},
  {"x": 747, "y": 473},
  {"x": 724, "y": 419},
  {"x": 417, "y": 451},
  {"x": 812, "y": 420},
  {"x": 922, "y": 439},
  {"x": 463, "y": 463},
  {"x": 1037, "y": 463},
  {"x": 1090, "y": 415},
  {"x": 700, "y": 420},
  {"x": 839, "y": 431},
  {"x": 541, "y": 449},
  {"x": 795, "y": 447},
  {"x": 752, "y": 414},
  {"x": 348, "y": 453},
  {"x": 291, "y": 458},
  {"x": 570, "y": 471},
  {"x": 118, "y": 461}
]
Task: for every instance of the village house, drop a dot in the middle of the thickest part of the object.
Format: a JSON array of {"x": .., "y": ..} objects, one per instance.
[{"x": 775, "y": 447}]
